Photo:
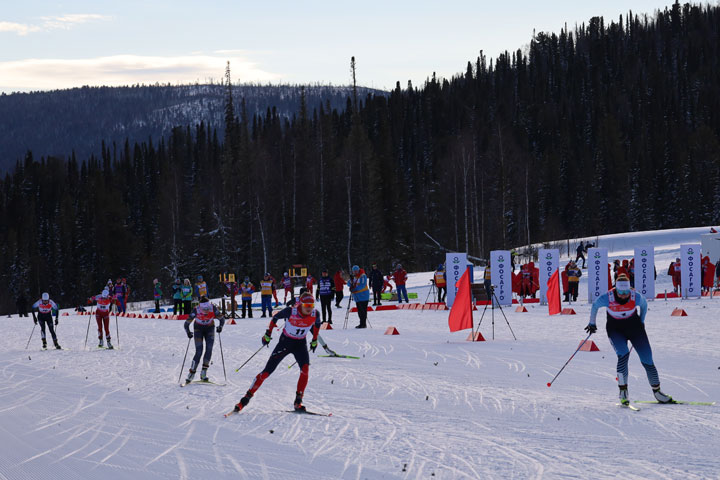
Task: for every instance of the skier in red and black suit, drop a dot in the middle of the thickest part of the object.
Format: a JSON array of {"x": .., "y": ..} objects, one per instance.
[
  {"x": 104, "y": 302},
  {"x": 300, "y": 319},
  {"x": 339, "y": 286}
]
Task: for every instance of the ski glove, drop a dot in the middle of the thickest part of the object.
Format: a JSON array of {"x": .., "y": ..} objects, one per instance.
[
  {"x": 313, "y": 346},
  {"x": 189, "y": 333},
  {"x": 218, "y": 329},
  {"x": 591, "y": 328},
  {"x": 35, "y": 320},
  {"x": 267, "y": 337},
  {"x": 56, "y": 321}
]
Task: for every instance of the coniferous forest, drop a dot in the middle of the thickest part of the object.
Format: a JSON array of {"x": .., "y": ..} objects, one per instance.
[{"x": 606, "y": 127}]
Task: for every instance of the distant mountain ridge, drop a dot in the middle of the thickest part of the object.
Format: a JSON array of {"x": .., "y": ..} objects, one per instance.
[{"x": 62, "y": 121}]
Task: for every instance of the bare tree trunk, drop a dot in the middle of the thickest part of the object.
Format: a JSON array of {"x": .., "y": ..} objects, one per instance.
[
  {"x": 262, "y": 235},
  {"x": 294, "y": 205},
  {"x": 527, "y": 206},
  {"x": 348, "y": 182},
  {"x": 465, "y": 196},
  {"x": 502, "y": 185},
  {"x": 455, "y": 209}
]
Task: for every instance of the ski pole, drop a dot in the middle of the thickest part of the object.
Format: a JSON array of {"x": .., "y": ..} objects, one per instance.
[
  {"x": 117, "y": 330},
  {"x": 347, "y": 312},
  {"x": 88, "y": 328},
  {"x": 222, "y": 356},
  {"x": 571, "y": 357},
  {"x": 184, "y": 358},
  {"x": 251, "y": 356},
  {"x": 33, "y": 331}
]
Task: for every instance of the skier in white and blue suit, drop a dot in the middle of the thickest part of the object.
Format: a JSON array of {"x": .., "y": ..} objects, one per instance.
[{"x": 623, "y": 324}]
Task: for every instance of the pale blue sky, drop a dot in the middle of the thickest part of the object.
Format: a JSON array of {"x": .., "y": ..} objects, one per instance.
[{"x": 62, "y": 44}]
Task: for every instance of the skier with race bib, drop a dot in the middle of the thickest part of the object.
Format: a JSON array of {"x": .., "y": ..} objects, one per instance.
[
  {"x": 300, "y": 319},
  {"x": 204, "y": 315},
  {"x": 623, "y": 324},
  {"x": 45, "y": 309},
  {"x": 102, "y": 316}
]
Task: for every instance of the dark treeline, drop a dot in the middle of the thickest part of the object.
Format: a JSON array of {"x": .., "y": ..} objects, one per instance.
[{"x": 610, "y": 127}]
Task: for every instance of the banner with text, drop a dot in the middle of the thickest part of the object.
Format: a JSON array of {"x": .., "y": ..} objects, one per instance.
[
  {"x": 597, "y": 273},
  {"x": 548, "y": 262},
  {"x": 645, "y": 271},
  {"x": 501, "y": 276},
  {"x": 690, "y": 270},
  {"x": 455, "y": 266}
]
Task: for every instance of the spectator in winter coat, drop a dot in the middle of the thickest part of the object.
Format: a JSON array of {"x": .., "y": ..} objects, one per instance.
[
  {"x": 675, "y": 272},
  {"x": 22, "y": 305},
  {"x": 246, "y": 291},
  {"x": 325, "y": 293},
  {"x": 157, "y": 294},
  {"x": 201, "y": 289},
  {"x": 440, "y": 280},
  {"x": 177, "y": 296},
  {"x": 358, "y": 284},
  {"x": 119, "y": 292},
  {"x": 574, "y": 273},
  {"x": 186, "y": 292},
  {"x": 339, "y": 285},
  {"x": 487, "y": 280},
  {"x": 266, "y": 285},
  {"x": 376, "y": 283},
  {"x": 400, "y": 277}
]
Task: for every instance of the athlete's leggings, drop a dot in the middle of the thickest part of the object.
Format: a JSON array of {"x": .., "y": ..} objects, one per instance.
[
  {"x": 326, "y": 306},
  {"x": 103, "y": 318},
  {"x": 285, "y": 347},
  {"x": 44, "y": 318},
  {"x": 206, "y": 333},
  {"x": 632, "y": 329}
]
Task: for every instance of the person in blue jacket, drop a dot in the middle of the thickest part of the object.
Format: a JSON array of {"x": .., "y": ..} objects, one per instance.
[
  {"x": 358, "y": 284},
  {"x": 623, "y": 324}
]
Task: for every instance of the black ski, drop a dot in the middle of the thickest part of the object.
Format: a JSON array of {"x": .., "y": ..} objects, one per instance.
[{"x": 308, "y": 412}]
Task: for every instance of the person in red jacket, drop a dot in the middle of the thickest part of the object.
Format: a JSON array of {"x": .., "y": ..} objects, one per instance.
[
  {"x": 309, "y": 282},
  {"x": 339, "y": 285},
  {"x": 674, "y": 272},
  {"x": 400, "y": 277}
]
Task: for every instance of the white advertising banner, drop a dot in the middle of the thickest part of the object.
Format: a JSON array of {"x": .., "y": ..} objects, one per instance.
[
  {"x": 501, "y": 276},
  {"x": 548, "y": 261},
  {"x": 455, "y": 266},
  {"x": 690, "y": 270},
  {"x": 597, "y": 273},
  {"x": 645, "y": 271}
]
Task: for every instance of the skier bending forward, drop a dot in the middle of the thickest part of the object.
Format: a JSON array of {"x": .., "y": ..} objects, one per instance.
[
  {"x": 300, "y": 319},
  {"x": 623, "y": 324}
]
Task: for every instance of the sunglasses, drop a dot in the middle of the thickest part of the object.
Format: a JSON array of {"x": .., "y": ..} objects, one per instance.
[{"x": 307, "y": 305}]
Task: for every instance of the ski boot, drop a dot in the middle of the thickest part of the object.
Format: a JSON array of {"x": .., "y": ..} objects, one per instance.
[
  {"x": 203, "y": 375},
  {"x": 299, "y": 407},
  {"x": 44, "y": 344},
  {"x": 100, "y": 342},
  {"x": 109, "y": 345},
  {"x": 243, "y": 402},
  {"x": 660, "y": 396},
  {"x": 624, "y": 400},
  {"x": 57, "y": 345},
  {"x": 191, "y": 375}
]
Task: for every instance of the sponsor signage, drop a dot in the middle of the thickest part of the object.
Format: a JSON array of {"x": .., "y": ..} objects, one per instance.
[
  {"x": 455, "y": 265},
  {"x": 548, "y": 262},
  {"x": 645, "y": 271},
  {"x": 501, "y": 276},
  {"x": 597, "y": 273},
  {"x": 690, "y": 270}
]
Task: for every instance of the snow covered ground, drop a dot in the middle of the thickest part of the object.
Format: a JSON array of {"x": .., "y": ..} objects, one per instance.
[{"x": 422, "y": 404}]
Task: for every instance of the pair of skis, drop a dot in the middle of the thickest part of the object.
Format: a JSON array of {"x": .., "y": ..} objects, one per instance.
[
  {"x": 674, "y": 402},
  {"x": 299, "y": 412}
]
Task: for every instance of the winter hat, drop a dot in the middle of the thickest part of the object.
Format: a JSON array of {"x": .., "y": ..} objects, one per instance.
[
  {"x": 45, "y": 296},
  {"x": 204, "y": 299},
  {"x": 355, "y": 268},
  {"x": 104, "y": 294},
  {"x": 155, "y": 281}
]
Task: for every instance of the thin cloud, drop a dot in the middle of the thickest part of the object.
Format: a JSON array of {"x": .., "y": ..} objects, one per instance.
[
  {"x": 50, "y": 74},
  {"x": 21, "y": 29},
  {"x": 61, "y": 22}
]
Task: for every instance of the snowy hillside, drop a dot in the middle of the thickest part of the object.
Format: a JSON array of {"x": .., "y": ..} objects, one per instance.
[{"x": 422, "y": 404}]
